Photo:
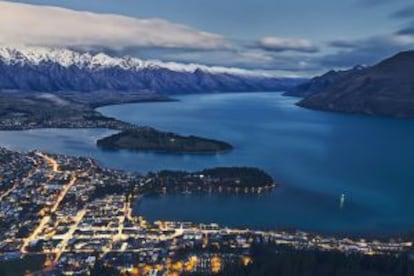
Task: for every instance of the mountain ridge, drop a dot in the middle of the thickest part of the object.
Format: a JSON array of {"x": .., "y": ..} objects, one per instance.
[
  {"x": 319, "y": 83},
  {"x": 51, "y": 70},
  {"x": 385, "y": 89},
  {"x": 66, "y": 58}
]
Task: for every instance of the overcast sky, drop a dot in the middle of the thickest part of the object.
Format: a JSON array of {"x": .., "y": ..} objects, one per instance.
[{"x": 288, "y": 37}]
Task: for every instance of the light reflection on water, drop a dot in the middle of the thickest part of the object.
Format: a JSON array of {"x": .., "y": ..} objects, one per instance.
[{"x": 315, "y": 156}]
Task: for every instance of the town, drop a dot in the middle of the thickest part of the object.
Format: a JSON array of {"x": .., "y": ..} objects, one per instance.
[{"x": 78, "y": 216}]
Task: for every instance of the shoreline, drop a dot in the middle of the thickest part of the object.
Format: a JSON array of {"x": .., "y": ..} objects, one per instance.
[
  {"x": 18, "y": 115},
  {"x": 367, "y": 235},
  {"x": 92, "y": 128}
]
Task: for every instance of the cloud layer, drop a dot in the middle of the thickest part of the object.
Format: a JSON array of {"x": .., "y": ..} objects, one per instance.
[
  {"x": 407, "y": 12},
  {"x": 23, "y": 24},
  {"x": 155, "y": 38},
  {"x": 279, "y": 44},
  {"x": 365, "y": 51},
  {"x": 371, "y": 3}
]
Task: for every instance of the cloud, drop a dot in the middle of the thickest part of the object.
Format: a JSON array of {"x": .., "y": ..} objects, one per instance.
[
  {"x": 341, "y": 43},
  {"x": 279, "y": 44},
  {"x": 370, "y": 3},
  {"x": 407, "y": 30},
  {"x": 153, "y": 38},
  {"x": 407, "y": 12},
  {"x": 366, "y": 51},
  {"x": 24, "y": 24},
  {"x": 248, "y": 59}
]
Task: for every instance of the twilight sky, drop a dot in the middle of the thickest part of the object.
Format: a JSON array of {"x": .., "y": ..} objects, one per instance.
[{"x": 288, "y": 37}]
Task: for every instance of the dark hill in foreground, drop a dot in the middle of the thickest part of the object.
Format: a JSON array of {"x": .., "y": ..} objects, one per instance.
[
  {"x": 385, "y": 89},
  {"x": 320, "y": 83}
]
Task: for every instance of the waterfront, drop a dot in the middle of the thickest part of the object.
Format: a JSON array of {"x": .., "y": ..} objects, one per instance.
[
  {"x": 314, "y": 156},
  {"x": 75, "y": 216}
]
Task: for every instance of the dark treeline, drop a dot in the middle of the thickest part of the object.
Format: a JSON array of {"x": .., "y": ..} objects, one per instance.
[
  {"x": 272, "y": 261},
  {"x": 246, "y": 176},
  {"x": 221, "y": 179},
  {"x": 20, "y": 266}
]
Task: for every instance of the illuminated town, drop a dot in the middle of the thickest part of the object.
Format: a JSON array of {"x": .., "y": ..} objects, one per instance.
[{"x": 76, "y": 213}]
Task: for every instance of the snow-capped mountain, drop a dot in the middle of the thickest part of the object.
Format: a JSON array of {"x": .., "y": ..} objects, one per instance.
[{"x": 45, "y": 69}]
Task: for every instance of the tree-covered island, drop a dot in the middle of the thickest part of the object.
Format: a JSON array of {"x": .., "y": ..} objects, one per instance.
[
  {"x": 149, "y": 139},
  {"x": 220, "y": 179}
]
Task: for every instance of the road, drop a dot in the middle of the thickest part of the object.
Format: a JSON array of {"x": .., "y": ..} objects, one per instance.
[
  {"x": 63, "y": 193},
  {"x": 55, "y": 168},
  {"x": 76, "y": 220},
  {"x": 52, "y": 162}
]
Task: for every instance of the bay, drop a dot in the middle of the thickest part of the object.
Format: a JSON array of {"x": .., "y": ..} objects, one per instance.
[{"x": 313, "y": 156}]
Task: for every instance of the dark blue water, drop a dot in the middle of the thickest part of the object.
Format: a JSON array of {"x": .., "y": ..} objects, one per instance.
[{"x": 314, "y": 156}]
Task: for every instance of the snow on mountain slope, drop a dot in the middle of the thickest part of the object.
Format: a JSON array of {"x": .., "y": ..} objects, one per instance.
[
  {"x": 66, "y": 58},
  {"x": 46, "y": 69}
]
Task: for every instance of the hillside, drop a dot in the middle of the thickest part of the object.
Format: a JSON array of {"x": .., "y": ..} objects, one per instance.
[
  {"x": 385, "y": 89},
  {"x": 320, "y": 83}
]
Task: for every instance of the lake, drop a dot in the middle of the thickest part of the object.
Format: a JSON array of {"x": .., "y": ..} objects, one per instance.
[{"x": 313, "y": 156}]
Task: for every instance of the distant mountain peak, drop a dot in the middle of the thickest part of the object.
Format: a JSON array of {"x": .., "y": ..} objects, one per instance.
[{"x": 359, "y": 67}]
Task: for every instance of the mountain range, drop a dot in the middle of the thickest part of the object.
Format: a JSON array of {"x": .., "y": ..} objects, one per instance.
[
  {"x": 52, "y": 70},
  {"x": 386, "y": 89}
]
